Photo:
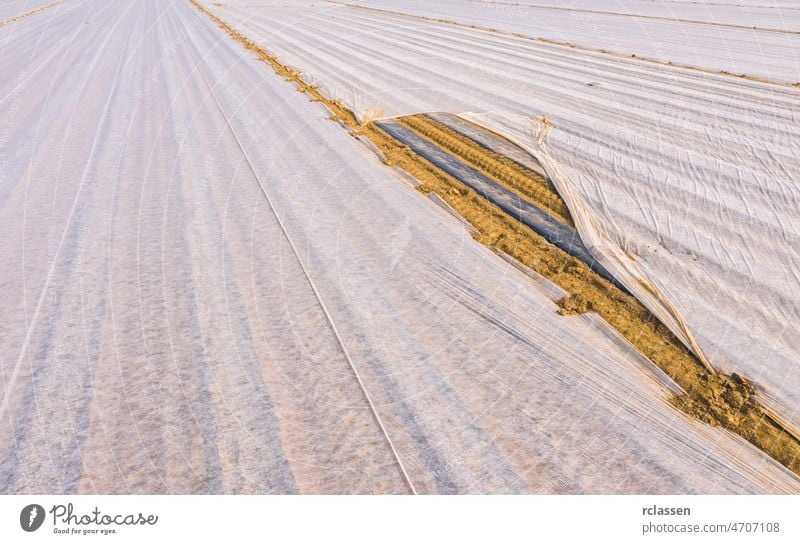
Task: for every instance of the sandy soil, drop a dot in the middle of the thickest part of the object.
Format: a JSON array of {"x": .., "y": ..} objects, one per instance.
[{"x": 158, "y": 334}]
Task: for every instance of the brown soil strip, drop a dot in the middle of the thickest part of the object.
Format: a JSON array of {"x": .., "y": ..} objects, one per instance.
[
  {"x": 506, "y": 172},
  {"x": 37, "y": 10},
  {"x": 715, "y": 398}
]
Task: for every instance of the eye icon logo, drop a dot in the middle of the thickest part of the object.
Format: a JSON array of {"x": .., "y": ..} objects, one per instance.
[{"x": 31, "y": 517}]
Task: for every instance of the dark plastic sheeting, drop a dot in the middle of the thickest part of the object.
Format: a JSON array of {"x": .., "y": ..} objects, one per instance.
[{"x": 557, "y": 233}]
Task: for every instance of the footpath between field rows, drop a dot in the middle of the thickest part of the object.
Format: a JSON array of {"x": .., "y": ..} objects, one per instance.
[{"x": 514, "y": 209}]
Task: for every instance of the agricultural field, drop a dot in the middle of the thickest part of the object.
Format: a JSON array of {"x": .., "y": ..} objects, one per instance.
[
  {"x": 12, "y": 11},
  {"x": 399, "y": 247}
]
